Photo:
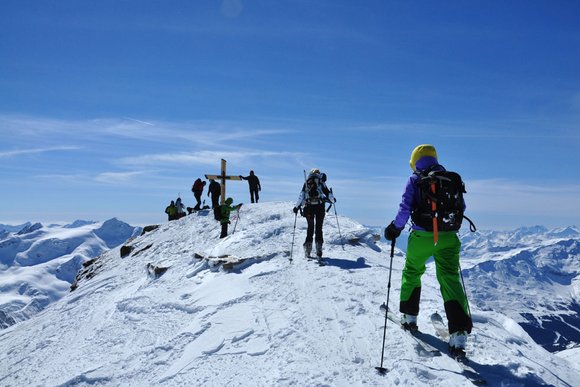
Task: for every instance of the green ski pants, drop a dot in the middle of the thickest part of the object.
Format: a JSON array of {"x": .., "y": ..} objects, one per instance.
[{"x": 446, "y": 254}]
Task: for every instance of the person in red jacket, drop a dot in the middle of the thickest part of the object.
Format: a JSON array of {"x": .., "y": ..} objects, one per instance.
[{"x": 197, "y": 190}]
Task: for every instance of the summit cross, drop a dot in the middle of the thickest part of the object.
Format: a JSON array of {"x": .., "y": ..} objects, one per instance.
[{"x": 223, "y": 177}]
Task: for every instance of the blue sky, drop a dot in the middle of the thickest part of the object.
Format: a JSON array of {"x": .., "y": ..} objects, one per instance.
[{"x": 113, "y": 108}]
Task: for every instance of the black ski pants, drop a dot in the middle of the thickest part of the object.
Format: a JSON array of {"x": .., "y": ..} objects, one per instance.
[
  {"x": 254, "y": 194},
  {"x": 215, "y": 201},
  {"x": 197, "y": 196},
  {"x": 314, "y": 215},
  {"x": 224, "y": 230}
]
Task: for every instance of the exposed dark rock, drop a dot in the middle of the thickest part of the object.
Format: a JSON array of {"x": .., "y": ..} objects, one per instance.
[
  {"x": 143, "y": 249},
  {"x": 126, "y": 250},
  {"x": 89, "y": 270},
  {"x": 156, "y": 271},
  {"x": 147, "y": 229}
]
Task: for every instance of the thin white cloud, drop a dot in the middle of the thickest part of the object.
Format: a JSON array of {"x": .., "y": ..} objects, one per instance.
[
  {"x": 204, "y": 157},
  {"x": 106, "y": 178},
  {"x": 139, "y": 121},
  {"x": 206, "y": 133},
  {"x": 22, "y": 152},
  {"x": 118, "y": 177}
]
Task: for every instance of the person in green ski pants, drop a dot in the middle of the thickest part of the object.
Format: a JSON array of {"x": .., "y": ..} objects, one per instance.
[
  {"x": 420, "y": 248},
  {"x": 224, "y": 211}
]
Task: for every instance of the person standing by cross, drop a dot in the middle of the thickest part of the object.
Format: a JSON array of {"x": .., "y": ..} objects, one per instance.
[
  {"x": 215, "y": 190},
  {"x": 254, "y": 184}
]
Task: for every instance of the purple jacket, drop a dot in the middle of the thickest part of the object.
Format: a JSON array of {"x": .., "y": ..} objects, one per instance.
[{"x": 411, "y": 196}]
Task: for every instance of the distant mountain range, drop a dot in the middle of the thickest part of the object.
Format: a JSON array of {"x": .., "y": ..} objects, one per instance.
[
  {"x": 38, "y": 263},
  {"x": 532, "y": 275}
]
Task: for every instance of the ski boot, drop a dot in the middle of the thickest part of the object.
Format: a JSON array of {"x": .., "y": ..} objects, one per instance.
[
  {"x": 319, "y": 249},
  {"x": 409, "y": 323},
  {"x": 457, "y": 342},
  {"x": 307, "y": 249}
]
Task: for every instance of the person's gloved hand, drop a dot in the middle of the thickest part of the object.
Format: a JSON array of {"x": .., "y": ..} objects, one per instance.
[
  {"x": 392, "y": 232},
  {"x": 295, "y": 209}
]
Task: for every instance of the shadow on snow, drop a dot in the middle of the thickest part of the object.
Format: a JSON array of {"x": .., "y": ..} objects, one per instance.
[
  {"x": 347, "y": 264},
  {"x": 494, "y": 374}
]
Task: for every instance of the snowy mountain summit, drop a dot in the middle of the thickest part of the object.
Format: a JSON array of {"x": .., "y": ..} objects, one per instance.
[{"x": 174, "y": 311}]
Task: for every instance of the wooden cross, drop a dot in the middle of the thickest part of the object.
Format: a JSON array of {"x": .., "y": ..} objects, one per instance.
[{"x": 223, "y": 177}]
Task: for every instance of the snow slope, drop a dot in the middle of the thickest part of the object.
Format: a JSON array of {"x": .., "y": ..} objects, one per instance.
[
  {"x": 38, "y": 263},
  {"x": 269, "y": 322}
]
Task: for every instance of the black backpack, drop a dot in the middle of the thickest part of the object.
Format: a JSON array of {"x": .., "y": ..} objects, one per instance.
[
  {"x": 441, "y": 197},
  {"x": 314, "y": 188}
]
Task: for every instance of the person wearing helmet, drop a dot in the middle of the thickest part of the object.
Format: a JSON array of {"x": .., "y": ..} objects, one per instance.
[
  {"x": 421, "y": 246},
  {"x": 312, "y": 199},
  {"x": 225, "y": 210}
]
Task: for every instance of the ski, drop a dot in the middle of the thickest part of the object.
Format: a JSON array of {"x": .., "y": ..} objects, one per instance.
[
  {"x": 467, "y": 371},
  {"x": 439, "y": 325},
  {"x": 424, "y": 348},
  {"x": 318, "y": 260}
]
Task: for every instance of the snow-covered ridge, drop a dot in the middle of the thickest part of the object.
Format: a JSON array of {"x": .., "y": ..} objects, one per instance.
[
  {"x": 268, "y": 322},
  {"x": 38, "y": 263}
]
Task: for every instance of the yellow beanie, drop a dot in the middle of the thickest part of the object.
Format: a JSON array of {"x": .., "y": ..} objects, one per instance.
[{"x": 422, "y": 151}]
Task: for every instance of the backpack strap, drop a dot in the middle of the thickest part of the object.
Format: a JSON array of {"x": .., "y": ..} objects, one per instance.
[
  {"x": 433, "y": 186},
  {"x": 472, "y": 227}
]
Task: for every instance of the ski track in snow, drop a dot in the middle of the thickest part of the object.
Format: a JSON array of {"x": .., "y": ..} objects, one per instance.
[{"x": 268, "y": 322}]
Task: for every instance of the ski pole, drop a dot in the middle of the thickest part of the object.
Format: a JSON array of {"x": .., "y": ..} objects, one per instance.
[
  {"x": 338, "y": 225},
  {"x": 382, "y": 370},
  {"x": 464, "y": 290},
  {"x": 237, "y": 218},
  {"x": 293, "y": 234}
]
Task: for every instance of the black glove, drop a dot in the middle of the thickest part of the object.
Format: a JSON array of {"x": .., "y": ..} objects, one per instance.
[
  {"x": 392, "y": 232},
  {"x": 334, "y": 199},
  {"x": 295, "y": 209}
]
